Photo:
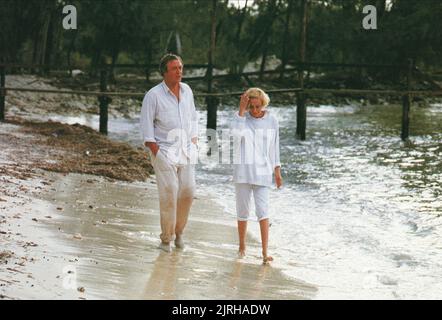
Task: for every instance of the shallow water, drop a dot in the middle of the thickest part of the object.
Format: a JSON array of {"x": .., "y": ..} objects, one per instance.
[{"x": 360, "y": 215}]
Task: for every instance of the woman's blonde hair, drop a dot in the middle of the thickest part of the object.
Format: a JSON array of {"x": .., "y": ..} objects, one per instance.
[{"x": 259, "y": 93}]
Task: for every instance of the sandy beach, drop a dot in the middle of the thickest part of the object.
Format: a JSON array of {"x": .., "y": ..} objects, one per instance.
[
  {"x": 82, "y": 236},
  {"x": 339, "y": 111}
]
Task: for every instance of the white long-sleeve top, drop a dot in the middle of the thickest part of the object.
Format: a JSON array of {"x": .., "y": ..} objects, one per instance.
[
  {"x": 170, "y": 123},
  {"x": 256, "y": 148}
]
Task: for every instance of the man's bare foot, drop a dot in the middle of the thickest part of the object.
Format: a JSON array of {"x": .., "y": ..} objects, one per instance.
[
  {"x": 267, "y": 259},
  {"x": 179, "y": 242},
  {"x": 241, "y": 253},
  {"x": 165, "y": 246}
]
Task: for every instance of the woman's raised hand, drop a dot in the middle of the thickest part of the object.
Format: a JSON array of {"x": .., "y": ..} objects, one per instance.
[{"x": 243, "y": 103}]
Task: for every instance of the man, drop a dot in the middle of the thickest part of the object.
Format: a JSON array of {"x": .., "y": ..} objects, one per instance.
[{"x": 169, "y": 126}]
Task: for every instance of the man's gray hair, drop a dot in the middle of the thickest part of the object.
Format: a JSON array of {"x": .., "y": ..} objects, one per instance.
[{"x": 165, "y": 59}]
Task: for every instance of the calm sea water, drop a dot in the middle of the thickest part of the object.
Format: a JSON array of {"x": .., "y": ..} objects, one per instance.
[{"x": 360, "y": 214}]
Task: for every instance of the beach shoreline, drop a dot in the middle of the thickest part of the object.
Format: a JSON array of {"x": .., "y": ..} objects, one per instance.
[{"x": 81, "y": 236}]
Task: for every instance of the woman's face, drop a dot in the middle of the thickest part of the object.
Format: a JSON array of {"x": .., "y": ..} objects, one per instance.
[{"x": 255, "y": 106}]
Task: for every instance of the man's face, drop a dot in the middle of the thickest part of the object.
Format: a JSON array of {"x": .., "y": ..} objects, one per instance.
[{"x": 174, "y": 71}]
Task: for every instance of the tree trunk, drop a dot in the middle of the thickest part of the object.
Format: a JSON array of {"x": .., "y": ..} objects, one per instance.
[
  {"x": 96, "y": 61},
  {"x": 35, "y": 48},
  {"x": 303, "y": 36},
  {"x": 263, "y": 61},
  {"x": 70, "y": 49},
  {"x": 115, "y": 53},
  {"x": 211, "y": 102},
  {"x": 49, "y": 45},
  {"x": 235, "y": 67},
  {"x": 380, "y": 6},
  {"x": 44, "y": 36},
  {"x": 240, "y": 24},
  {"x": 284, "y": 57},
  {"x": 267, "y": 33},
  {"x": 301, "y": 111},
  {"x": 57, "y": 57}
]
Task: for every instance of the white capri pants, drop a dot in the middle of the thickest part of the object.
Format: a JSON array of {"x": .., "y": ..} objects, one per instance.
[{"x": 243, "y": 193}]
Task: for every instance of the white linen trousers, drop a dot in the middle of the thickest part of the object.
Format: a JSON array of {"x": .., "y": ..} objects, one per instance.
[{"x": 176, "y": 188}]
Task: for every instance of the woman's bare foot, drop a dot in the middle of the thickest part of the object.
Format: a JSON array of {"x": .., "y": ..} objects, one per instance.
[
  {"x": 241, "y": 253},
  {"x": 267, "y": 259}
]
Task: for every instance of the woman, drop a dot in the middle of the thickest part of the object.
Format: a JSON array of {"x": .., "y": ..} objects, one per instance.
[{"x": 256, "y": 159}]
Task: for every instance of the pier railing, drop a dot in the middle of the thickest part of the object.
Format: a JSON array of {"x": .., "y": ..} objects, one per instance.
[{"x": 105, "y": 97}]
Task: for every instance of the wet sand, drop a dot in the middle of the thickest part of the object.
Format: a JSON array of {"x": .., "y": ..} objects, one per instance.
[
  {"x": 78, "y": 236},
  {"x": 101, "y": 240}
]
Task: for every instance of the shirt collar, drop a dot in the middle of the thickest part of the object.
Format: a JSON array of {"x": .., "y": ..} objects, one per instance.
[
  {"x": 266, "y": 114},
  {"x": 167, "y": 90}
]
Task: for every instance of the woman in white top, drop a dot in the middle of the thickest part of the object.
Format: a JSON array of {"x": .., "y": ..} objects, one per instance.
[{"x": 256, "y": 159}]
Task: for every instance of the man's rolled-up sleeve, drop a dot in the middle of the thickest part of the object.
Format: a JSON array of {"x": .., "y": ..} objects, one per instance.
[{"x": 148, "y": 111}]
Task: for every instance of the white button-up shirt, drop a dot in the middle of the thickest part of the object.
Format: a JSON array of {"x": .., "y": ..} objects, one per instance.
[{"x": 170, "y": 123}]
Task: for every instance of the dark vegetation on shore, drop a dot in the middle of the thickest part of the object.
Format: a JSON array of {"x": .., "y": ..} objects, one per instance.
[{"x": 80, "y": 149}]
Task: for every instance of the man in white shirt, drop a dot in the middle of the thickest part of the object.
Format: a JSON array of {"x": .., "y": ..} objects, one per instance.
[{"x": 169, "y": 126}]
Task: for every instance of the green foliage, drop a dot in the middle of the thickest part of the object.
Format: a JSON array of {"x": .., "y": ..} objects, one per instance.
[{"x": 140, "y": 29}]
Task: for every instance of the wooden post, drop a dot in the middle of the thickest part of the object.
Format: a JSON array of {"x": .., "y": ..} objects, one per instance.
[
  {"x": 406, "y": 104},
  {"x": 301, "y": 116},
  {"x": 104, "y": 102},
  {"x": 211, "y": 101},
  {"x": 405, "y": 117},
  {"x": 2, "y": 92},
  {"x": 301, "y": 112}
]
